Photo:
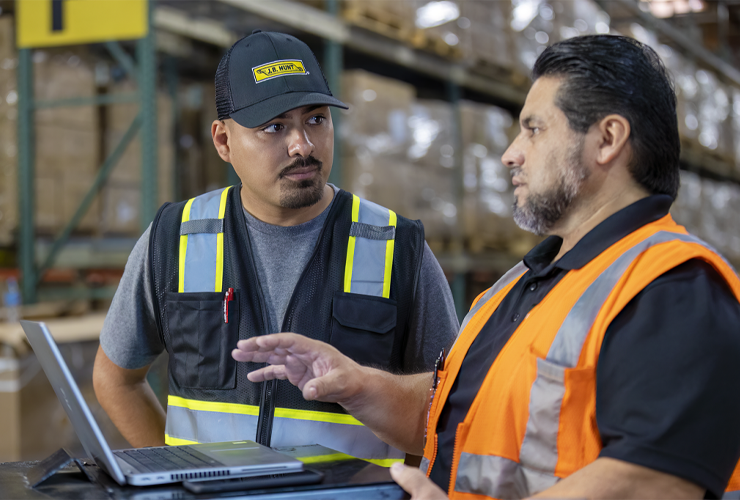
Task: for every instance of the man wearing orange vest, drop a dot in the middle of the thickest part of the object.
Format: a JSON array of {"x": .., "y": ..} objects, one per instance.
[{"x": 602, "y": 366}]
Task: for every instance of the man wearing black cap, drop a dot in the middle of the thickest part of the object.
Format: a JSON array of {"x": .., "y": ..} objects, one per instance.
[{"x": 282, "y": 251}]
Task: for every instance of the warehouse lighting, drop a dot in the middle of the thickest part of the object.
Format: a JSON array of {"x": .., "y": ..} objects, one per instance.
[
  {"x": 369, "y": 95},
  {"x": 669, "y": 8},
  {"x": 602, "y": 28},
  {"x": 524, "y": 13},
  {"x": 436, "y": 13},
  {"x": 451, "y": 39}
]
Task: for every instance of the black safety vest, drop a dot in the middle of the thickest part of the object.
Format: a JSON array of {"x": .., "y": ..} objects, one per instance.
[{"x": 201, "y": 262}]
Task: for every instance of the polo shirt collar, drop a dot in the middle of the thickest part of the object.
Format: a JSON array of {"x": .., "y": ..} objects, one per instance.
[{"x": 618, "y": 225}]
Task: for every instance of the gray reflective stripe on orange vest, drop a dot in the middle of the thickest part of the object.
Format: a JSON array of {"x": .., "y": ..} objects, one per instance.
[
  {"x": 511, "y": 275},
  {"x": 424, "y": 465},
  {"x": 539, "y": 451},
  {"x": 371, "y": 244},
  {"x": 195, "y": 426},
  {"x": 511, "y": 480},
  {"x": 731, "y": 495}
]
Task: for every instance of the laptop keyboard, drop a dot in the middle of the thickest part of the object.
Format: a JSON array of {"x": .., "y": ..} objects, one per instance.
[{"x": 173, "y": 458}]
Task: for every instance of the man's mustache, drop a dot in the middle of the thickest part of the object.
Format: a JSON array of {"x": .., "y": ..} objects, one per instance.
[{"x": 301, "y": 163}]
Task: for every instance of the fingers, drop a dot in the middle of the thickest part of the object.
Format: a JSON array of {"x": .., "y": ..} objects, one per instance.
[
  {"x": 416, "y": 483},
  {"x": 268, "y": 373}
]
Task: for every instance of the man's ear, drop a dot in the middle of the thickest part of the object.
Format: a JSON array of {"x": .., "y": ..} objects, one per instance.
[
  {"x": 614, "y": 133},
  {"x": 220, "y": 133}
]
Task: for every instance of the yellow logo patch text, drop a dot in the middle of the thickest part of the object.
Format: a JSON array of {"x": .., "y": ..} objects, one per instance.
[{"x": 278, "y": 68}]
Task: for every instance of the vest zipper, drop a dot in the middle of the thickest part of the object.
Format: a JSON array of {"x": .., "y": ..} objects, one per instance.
[
  {"x": 267, "y": 413},
  {"x": 269, "y": 388},
  {"x": 455, "y": 464},
  {"x": 434, "y": 456}
]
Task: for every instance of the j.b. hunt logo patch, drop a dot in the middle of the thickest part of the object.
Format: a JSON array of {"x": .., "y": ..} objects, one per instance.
[{"x": 278, "y": 68}]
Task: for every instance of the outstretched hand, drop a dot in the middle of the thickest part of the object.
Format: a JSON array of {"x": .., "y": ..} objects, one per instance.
[{"x": 319, "y": 370}]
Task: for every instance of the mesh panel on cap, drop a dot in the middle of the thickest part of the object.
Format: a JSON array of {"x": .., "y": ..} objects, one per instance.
[{"x": 224, "y": 104}]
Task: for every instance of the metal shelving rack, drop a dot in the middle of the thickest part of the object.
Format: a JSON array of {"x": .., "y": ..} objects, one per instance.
[
  {"x": 338, "y": 36},
  {"x": 144, "y": 72}
]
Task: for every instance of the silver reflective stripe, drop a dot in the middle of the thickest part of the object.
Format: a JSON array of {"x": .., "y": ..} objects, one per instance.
[
  {"x": 539, "y": 447},
  {"x": 212, "y": 226},
  {"x": 731, "y": 495},
  {"x": 505, "y": 280},
  {"x": 498, "y": 477},
  {"x": 200, "y": 258},
  {"x": 213, "y": 427},
  {"x": 361, "y": 230},
  {"x": 368, "y": 270},
  {"x": 424, "y": 465}
]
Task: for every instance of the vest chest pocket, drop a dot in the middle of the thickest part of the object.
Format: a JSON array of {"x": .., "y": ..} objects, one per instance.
[
  {"x": 363, "y": 327},
  {"x": 201, "y": 341}
]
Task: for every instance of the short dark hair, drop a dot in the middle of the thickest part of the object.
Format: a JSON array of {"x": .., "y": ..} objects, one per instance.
[{"x": 605, "y": 74}]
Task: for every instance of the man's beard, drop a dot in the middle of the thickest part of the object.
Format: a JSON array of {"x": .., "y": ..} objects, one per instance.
[
  {"x": 543, "y": 210},
  {"x": 303, "y": 193}
]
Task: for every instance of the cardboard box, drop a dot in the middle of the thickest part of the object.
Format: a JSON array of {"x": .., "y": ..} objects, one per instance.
[
  {"x": 74, "y": 188},
  {"x": 66, "y": 150},
  {"x": 121, "y": 209},
  {"x": 377, "y": 120},
  {"x": 48, "y": 215},
  {"x": 7, "y": 36},
  {"x": 487, "y": 37}
]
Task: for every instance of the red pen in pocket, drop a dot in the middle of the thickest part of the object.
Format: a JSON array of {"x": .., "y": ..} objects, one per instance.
[{"x": 228, "y": 297}]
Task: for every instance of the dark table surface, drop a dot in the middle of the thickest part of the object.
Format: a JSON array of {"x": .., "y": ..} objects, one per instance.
[{"x": 343, "y": 479}]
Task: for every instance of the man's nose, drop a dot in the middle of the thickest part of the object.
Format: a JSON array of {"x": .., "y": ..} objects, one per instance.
[
  {"x": 513, "y": 156},
  {"x": 299, "y": 143}
]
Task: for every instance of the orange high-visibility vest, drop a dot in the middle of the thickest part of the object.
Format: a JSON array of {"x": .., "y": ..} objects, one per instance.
[{"x": 534, "y": 420}]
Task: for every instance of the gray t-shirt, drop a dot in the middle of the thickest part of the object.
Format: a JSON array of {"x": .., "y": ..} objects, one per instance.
[{"x": 130, "y": 339}]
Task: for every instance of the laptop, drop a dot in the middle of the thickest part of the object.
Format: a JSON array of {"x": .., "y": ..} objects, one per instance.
[{"x": 148, "y": 466}]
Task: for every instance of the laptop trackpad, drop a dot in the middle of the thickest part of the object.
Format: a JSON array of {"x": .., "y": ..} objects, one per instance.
[{"x": 246, "y": 453}]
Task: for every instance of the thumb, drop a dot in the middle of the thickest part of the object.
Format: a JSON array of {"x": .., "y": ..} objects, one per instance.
[
  {"x": 413, "y": 481},
  {"x": 330, "y": 387}
]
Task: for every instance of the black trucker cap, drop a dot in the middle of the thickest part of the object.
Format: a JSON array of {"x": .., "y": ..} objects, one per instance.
[{"x": 265, "y": 74}]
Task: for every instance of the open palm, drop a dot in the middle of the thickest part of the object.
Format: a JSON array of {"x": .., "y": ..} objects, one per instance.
[{"x": 316, "y": 368}]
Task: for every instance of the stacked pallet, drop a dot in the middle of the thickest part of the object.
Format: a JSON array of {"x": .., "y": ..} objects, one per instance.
[
  {"x": 401, "y": 152},
  {"x": 8, "y": 127},
  {"x": 709, "y": 210},
  {"x": 707, "y": 108},
  {"x": 121, "y": 211},
  {"x": 71, "y": 144}
]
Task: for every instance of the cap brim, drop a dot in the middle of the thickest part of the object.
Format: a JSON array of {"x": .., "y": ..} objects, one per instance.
[{"x": 264, "y": 111}]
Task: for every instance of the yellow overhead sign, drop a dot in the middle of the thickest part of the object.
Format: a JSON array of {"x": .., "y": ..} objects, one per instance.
[{"x": 45, "y": 23}]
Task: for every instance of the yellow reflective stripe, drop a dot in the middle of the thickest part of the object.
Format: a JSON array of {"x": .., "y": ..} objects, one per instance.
[
  {"x": 351, "y": 246},
  {"x": 194, "y": 404},
  {"x": 184, "y": 247},
  {"x": 317, "y": 416},
  {"x": 173, "y": 441},
  {"x": 389, "y": 246},
  {"x": 220, "y": 245},
  {"x": 383, "y": 462},
  {"x": 333, "y": 457}
]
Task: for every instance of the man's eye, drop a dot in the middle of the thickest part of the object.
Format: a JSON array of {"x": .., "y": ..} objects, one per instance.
[
  {"x": 317, "y": 120},
  {"x": 534, "y": 130},
  {"x": 273, "y": 127}
]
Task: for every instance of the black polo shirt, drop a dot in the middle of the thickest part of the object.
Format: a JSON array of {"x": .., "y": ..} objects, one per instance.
[{"x": 667, "y": 382}]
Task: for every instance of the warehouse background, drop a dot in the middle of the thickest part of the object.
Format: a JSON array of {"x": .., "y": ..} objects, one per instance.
[{"x": 94, "y": 137}]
